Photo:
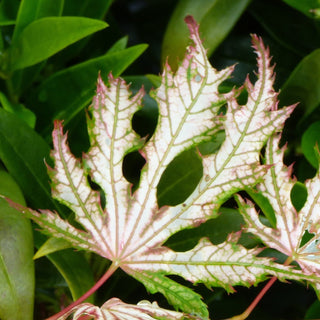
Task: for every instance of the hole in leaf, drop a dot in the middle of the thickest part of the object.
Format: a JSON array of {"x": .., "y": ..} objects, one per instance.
[
  {"x": 217, "y": 230},
  {"x": 298, "y": 195},
  {"x": 262, "y": 155},
  {"x": 306, "y": 237},
  {"x": 131, "y": 167},
  {"x": 225, "y": 86},
  {"x": 145, "y": 120},
  {"x": 242, "y": 97},
  {"x": 78, "y": 138},
  {"x": 180, "y": 178},
  {"x": 269, "y": 218},
  {"x": 96, "y": 187},
  {"x": 223, "y": 109},
  {"x": 212, "y": 146}
]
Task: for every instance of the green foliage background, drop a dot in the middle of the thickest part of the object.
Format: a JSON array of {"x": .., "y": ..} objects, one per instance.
[{"x": 50, "y": 56}]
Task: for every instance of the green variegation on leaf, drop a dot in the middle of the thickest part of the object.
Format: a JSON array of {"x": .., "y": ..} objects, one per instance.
[{"x": 131, "y": 229}]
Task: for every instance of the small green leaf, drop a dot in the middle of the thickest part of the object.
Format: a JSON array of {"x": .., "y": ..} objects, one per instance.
[
  {"x": 119, "y": 45},
  {"x": 19, "y": 110},
  {"x": 311, "y": 139},
  {"x": 216, "y": 19},
  {"x": 50, "y": 246},
  {"x": 16, "y": 251},
  {"x": 46, "y": 36}
]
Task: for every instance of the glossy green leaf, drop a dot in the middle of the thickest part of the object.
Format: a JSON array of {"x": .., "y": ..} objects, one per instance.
[
  {"x": 76, "y": 86},
  {"x": 216, "y": 19},
  {"x": 310, "y": 8},
  {"x": 46, "y": 36},
  {"x": 50, "y": 246},
  {"x": 311, "y": 139},
  {"x": 303, "y": 85},
  {"x": 76, "y": 271},
  {"x": 298, "y": 38},
  {"x": 24, "y": 152},
  {"x": 31, "y": 10},
  {"x": 19, "y": 110},
  {"x": 87, "y": 46},
  {"x": 16, "y": 251}
]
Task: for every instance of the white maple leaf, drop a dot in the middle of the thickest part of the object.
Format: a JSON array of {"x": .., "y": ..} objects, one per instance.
[
  {"x": 131, "y": 229},
  {"x": 115, "y": 309},
  {"x": 291, "y": 226}
]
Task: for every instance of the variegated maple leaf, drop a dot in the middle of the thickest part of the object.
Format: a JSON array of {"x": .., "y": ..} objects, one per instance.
[
  {"x": 291, "y": 226},
  {"x": 115, "y": 309},
  {"x": 131, "y": 229}
]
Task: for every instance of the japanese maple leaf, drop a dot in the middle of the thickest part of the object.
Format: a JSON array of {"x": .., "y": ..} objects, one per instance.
[
  {"x": 131, "y": 229},
  {"x": 115, "y": 309},
  {"x": 291, "y": 226}
]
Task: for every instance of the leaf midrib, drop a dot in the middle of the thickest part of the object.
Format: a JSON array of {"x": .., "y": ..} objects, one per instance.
[{"x": 228, "y": 159}]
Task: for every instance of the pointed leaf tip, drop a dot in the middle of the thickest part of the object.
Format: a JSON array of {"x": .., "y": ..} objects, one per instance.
[{"x": 192, "y": 24}]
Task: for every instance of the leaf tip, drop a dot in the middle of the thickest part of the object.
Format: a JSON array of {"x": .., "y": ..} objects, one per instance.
[{"x": 192, "y": 24}]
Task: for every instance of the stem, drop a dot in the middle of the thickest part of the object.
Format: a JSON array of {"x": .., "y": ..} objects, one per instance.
[
  {"x": 12, "y": 95},
  {"x": 257, "y": 299},
  {"x": 99, "y": 283}
]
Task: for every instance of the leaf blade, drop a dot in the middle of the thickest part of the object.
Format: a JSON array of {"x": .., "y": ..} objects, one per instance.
[
  {"x": 24, "y": 159},
  {"x": 17, "y": 280},
  {"x": 80, "y": 81},
  {"x": 31, "y": 10},
  {"x": 46, "y": 36},
  {"x": 216, "y": 19}
]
